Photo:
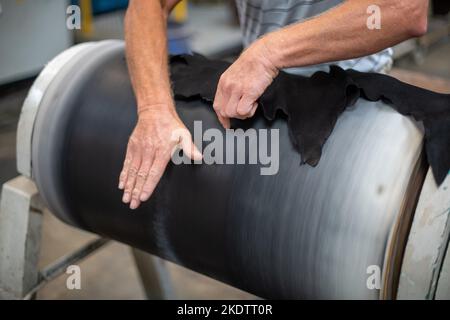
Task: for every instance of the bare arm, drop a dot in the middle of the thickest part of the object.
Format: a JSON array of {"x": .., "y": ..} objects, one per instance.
[
  {"x": 338, "y": 34},
  {"x": 342, "y": 33},
  {"x": 159, "y": 130},
  {"x": 146, "y": 50}
]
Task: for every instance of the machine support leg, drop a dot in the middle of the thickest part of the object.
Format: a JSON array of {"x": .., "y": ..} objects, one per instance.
[
  {"x": 20, "y": 236},
  {"x": 154, "y": 276}
]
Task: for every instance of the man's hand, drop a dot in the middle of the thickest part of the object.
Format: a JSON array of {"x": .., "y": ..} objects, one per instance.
[
  {"x": 241, "y": 85},
  {"x": 158, "y": 132}
]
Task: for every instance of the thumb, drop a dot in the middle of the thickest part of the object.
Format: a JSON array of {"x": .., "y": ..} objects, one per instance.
[{"x": 189, "y": 148}]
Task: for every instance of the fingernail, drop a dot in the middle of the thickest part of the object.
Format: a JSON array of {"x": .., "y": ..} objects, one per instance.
[
  {"x": 134, "y": 204},
  {"x": 126, "y": 197},
  {"x": 144, "y": 196},
  {"x": 121, "y": 185}
]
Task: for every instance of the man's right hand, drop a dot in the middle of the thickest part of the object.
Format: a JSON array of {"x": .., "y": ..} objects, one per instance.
[{"x": 158, "y": 133}]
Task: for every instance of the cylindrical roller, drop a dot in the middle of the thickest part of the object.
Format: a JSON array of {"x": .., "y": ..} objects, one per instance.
[{"x": 302, "y": 233}]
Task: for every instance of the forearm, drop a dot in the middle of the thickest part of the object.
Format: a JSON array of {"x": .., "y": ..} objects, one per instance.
[
  {"x": 342, "y": 33},
  {"x": 146, "y": 51}
]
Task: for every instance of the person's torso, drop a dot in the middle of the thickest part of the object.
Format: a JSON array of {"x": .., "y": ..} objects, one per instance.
[{"x": 258, "y": 17}]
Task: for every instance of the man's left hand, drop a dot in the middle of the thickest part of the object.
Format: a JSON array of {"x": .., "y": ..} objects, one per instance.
[{"x": 241, "y": 85}]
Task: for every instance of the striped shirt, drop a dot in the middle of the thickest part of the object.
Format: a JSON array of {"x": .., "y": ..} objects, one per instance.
[{"x": 259, "y": 17}]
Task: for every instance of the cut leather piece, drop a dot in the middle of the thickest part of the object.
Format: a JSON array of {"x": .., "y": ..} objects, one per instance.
[
  {"x": 314, "y": 104},
  {"x": 196, "y": 76}
]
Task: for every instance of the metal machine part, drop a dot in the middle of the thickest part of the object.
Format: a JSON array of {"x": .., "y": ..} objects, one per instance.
[{"x": 302, "y": 233}]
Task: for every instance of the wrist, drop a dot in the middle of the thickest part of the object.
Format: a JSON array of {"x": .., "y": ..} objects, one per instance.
[
  {"x": 271, "y": 50},
  {"x": 158, "y": 99},
  {"x": 145, "y": 110}
]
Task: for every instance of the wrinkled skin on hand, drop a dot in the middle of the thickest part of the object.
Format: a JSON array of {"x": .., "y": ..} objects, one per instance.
[
  {"x": 241, "y": 85},
  {"x": 158, "y": 133}
]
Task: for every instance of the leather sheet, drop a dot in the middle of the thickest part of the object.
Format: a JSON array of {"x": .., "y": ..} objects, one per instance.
[{"x": 313, "y": 104}]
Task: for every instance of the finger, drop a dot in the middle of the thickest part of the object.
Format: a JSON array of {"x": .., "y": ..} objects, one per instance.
[
  {"x": 131, "y": 175},
  {"x": 181, "y": 139},
  {"x": 245, "y": 106},
  {"x": 154, "y": 175},
  {"x": 220, "y": 106},
  {"x": 253, "y": 109},
  {"x": 220, "y": 98},
  {"x": 124, "y": 172},
  {"x": 232, "y": 105},
  {"x": 135, "y": 204},
  {"x": 147, "y": 162},
  {"x": 189, "y": 147},
  {"x": 224, "y": 121}
]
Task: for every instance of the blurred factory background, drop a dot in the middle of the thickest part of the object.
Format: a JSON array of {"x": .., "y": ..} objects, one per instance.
[{"x": 33, "y": 31}]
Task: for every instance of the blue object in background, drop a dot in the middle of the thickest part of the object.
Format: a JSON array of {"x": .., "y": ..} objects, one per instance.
[
  {"x": 178, "y": 38},
  {"x": 177, "y": 34}
]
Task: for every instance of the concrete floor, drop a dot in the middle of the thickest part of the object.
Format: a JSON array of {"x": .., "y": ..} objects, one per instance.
[{"x": 111, "y": 273}]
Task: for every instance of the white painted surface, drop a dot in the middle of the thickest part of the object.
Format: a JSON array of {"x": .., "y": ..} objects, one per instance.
[
  {"x": 31, "y": 106},
  {"x": 31, "y": 33}
]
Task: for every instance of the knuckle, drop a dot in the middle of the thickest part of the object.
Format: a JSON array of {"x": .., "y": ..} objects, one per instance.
[
  {"x": 144, "y": 166},
  {"x": 222, "y": 78},
  {"x": 230, "y": 88},
  {"x": 127, "y": 161},
  {"x": 227, "y": 86},
  {"x": 135, "y": 193},
  {"x": 149, "y": 144},
  {"x": 132, "y": 142},
  {"x": 238, "y": 88},
  {"x": 142, "y": 174},
  {"x": 158, "y": 151},
  {"x": 128, "y": 187},
  {"x": 154, "y": 172},
  {"x": 132, "y": 172}
]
